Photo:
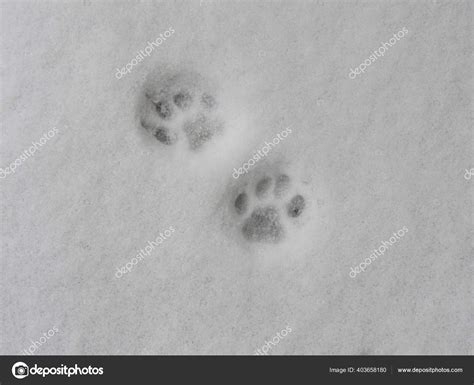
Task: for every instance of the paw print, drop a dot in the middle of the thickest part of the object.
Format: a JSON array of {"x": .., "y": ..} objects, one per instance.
[
  {"x": 268, "y": 208},
  {"x": 180, "y": 107}
]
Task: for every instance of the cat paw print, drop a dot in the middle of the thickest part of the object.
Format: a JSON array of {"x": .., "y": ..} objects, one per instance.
[
  {"x": 180, "y": 107},
  {"x": 268, "y": 207}
]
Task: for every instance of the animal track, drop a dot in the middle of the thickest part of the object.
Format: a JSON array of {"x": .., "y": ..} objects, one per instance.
[
  {"x": 164, "y": 109},
  {"x": 200, "y": 130},
  {"x": 269, "y": 215},
  {"x": 180, "y": 105},
  {"x": 183, "y": 100}
]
